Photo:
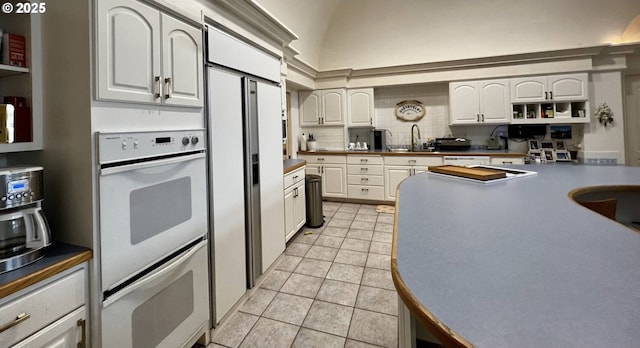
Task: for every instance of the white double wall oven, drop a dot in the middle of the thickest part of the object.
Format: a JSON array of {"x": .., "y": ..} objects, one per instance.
[{"x": 153, "y": 237}]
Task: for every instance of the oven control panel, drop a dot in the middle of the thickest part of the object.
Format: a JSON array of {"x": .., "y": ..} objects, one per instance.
[{"x": 124, "y": 146}]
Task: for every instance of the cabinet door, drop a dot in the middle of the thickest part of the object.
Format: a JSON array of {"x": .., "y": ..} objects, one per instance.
[
  {"x": 300, "y": 207},
  {"x": 392, "y": 178},
  {"x": 309, "y": 108},
  {"x": 334, "y": 180},
  {"x": 289, "y": 215},
  {"x": 569, "y": 87},
  {"x": 333, "y": 106},
  {"x": 360, "y": 107},
  {"x": 68, "y": 332},
  {"x": 494, "y": 101},
  {"x": 528, "y": 89},
  {"x": 128, "y": 51},
  {"x": 182, "y": 63},
  {"x": 464, "y": 101}
]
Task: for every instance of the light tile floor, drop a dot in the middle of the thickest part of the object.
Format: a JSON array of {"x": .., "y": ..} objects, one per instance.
[{"x": 332, "y": 288}]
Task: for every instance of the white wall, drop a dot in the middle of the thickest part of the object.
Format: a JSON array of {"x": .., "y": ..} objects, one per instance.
[{"x": 600, "y": 142}]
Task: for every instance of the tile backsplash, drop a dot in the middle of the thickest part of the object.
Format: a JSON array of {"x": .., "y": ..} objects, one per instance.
[{"x": 435, "y": 123}]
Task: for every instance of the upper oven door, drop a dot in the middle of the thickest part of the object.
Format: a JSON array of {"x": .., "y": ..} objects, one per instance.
[{"x": 147, "y": 211}]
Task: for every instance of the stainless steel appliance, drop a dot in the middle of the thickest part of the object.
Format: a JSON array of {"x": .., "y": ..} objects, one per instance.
[
  {"x": 24, "y": 232},
  {"x": 378, "y": 140},
  {"x": 153, "y": 245}
]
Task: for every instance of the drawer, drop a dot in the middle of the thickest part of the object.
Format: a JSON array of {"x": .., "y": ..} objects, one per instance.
[
  {"x": 369, "y": 180},
  {"x": 43, "y": 305},
  {"x": 324, "y": 159},
  {"x": 294, "y": 177},
  {"x": 413, "y": 160},
  {"x": 365, "y": 192},
  {"x": 507, "y": 160},
  {"x": 364, "y": 160},
  {"x": 364, "y": 170}
]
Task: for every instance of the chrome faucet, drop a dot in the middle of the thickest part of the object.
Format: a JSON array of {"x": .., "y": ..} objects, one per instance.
[{"x": 413, "y": 139}]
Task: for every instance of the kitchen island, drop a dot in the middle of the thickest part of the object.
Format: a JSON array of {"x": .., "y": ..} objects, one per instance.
[{"x": 518, "y": 263}]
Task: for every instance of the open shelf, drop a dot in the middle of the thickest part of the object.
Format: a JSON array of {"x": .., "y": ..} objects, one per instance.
[
  {"x": 545, "y": 112},
  {"x": 8, "y": 70}
]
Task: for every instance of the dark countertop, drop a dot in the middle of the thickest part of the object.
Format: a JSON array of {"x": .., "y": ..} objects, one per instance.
[
  {"x": 58, "y": 257},
  {"x": 493, "y": 153},
  {"x": 292, "y": 164},
  {"x": 518, "y": 263}
]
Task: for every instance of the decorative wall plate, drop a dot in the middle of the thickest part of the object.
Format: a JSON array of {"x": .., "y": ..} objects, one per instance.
[{"x": 410, "y": 110}]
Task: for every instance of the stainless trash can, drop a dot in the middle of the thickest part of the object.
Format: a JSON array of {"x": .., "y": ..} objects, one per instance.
[{"x": 313, "y": 190}]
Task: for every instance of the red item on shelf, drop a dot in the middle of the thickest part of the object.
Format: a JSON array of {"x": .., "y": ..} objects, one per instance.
[{"x": 14, "y": 50}]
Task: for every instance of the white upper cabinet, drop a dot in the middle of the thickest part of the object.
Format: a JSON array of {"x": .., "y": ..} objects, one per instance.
[
  {"x": 146, "y": 56},
  {"x": 550, "y": 88},
  {"x": 360, "y": 107},
  {"x": 474, "y": 102},
  {"x": 323, "y": 107},
  {"x": 182, "y": 63}
]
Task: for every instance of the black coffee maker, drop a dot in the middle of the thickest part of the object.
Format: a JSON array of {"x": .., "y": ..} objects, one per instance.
[{"x": 378, "y": 140}]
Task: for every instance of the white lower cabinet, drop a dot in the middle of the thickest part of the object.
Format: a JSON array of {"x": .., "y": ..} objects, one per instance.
[
  {"x": 68, "y": 332},
  {"x": 507, "y": 160},
  {"x": 333, "y": 170},
  {"x": 295, "y": 215},
  {"x": 48, "y": 314},
  {"x": 365, "y": 177},
  {"x": 398, "y": 168}
]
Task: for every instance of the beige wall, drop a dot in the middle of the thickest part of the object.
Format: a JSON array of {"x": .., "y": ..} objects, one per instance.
[{"x": 377, "y": 33}]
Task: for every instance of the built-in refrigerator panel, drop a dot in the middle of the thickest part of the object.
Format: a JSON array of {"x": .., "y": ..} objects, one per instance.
[{"x": 226, "y": 168}]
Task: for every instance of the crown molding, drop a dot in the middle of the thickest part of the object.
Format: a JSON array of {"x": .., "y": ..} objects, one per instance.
[{"x": 255, "y": 16}]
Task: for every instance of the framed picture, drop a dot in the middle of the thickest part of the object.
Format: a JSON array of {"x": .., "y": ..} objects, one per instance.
[
  {"x": 560, "y": 145},
  {"x": 563, "y": 156},
  {"x": 534, "y": 145},
  {"x": 548, "y": 155},
  {"x": 546, "y": 145}
]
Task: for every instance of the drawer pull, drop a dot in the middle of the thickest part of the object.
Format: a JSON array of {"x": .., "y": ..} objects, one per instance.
[
  {"x": 507, "y": 162},
  {"x": 365, "y": 190},
  {"x": 83, "y": 335},
  {"x": 412, "y": 161},
  {"x": 363, "y": 160},
  {"x": 20, "y": 318},
  {"x": 364, "y": 169},
  {"x": 320, "y": 158},
  {"x": 364, "y": 179},
  {"x": 295, "y": 177}
]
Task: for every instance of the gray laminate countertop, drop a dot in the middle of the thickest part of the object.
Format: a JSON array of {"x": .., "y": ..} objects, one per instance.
[
  {"x": 518, "y": 263},
  {"x": 292, "y": 164}
]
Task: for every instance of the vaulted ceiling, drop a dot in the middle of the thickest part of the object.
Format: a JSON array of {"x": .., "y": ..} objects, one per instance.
[{"x": 337, "y": 34}]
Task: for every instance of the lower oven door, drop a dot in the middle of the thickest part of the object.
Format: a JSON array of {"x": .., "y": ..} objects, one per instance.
[
  {"x": 147, "y": 211},
  {"x": 164, "y": 308}
]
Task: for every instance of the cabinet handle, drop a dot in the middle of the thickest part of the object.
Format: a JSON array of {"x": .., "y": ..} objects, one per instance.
[
  {"x": 156, "y": 83},
  {"x": 546, "y": 95},
  {"x": 295, "y": 192},
  {"x": 83, "y": 334},
  {"x": 478, "y": 117},
  {"x": 363, "y": 160},
  {"x": 20, "y": 318},
  {"x": 364, "y": 189},
  {"x": 371, "y": 121},
  {"x": 551, "y": 95},
  {"x": 482, "y": 115},
  {"x": 319, "y": 170},
  {"x": 320, "y": 158},
  {"x": 507, "y": 162},
  {"x": 167, "y": 81},
  {"x": 412, "y": 161},
  {"x": 364, "y": 169},
  {"x": 295, "y": 177},
  {"x": 364, "y": 179}
]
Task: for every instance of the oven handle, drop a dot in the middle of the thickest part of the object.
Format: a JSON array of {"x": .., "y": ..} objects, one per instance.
[
  {"x": 150, "y": 164},
  {"x": 156, "y": 274}
]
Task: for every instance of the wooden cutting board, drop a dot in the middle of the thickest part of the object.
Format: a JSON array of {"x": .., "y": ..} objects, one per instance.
[{"x": 482, "y": 174}]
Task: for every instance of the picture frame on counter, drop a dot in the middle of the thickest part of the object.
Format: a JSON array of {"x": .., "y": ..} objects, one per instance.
[
  {"x": 534, "y": 145},
  {"x": 546, "y": 145},
  {"x": 563, "y": 156},
  {"x": 560, "y": 145},
  {"x": 548, "y": 155}
]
